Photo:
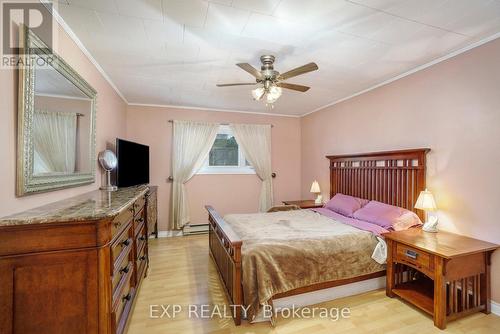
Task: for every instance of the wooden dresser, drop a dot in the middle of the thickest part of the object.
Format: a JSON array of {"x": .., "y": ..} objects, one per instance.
[
  {"x": 444, "y": 274},
  {"x": 74, "y": 266}
]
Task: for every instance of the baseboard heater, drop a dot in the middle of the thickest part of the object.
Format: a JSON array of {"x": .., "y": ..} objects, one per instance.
[{"x": 190, "y": 229}]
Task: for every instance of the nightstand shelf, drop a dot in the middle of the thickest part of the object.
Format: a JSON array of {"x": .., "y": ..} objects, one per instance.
[
  {"x": 444, "y": 274},
  {"x": 419, "y": 293}
]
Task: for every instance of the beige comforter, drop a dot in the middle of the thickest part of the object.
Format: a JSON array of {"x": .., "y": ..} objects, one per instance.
[{"x": 283, "y": 251}]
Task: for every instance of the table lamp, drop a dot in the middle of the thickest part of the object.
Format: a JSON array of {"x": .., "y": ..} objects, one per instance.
[
  {"x": 426, "y": 202},
  {"x": 316, "y": 190}
]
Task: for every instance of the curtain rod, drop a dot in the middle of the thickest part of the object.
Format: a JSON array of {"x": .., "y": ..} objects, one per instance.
[{"x": 171, "y": 121}]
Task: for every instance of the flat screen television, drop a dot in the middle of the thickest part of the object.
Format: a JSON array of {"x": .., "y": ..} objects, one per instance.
[{"x": 133, "y": 163}]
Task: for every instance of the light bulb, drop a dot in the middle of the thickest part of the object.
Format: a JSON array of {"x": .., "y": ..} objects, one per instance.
[{"x": 258, "y": 93}]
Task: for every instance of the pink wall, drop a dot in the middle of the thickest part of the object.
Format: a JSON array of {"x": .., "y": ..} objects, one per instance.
[
  {"x": 227, "y": 193},
  {"x": 453, "y": 108},
  {"x": 111, "y": 122}
]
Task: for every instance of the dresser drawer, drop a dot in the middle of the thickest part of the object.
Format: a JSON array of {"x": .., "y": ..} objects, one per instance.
[
  {"x": 121, "y": 271},
  {"x": 141, "y": 237},
  {"x": 139, "y": 204},
  {"x": 142, "y": 256},
  {"x": 415, "y": 257},
  {"x": 141, "y": 262},
  {"x": 122, "y": 220},
  {"x": 123, "y": 284},
  {"x": 122, "y": 304},
  {"x": 120, "y": 249},
  {"x": 139, "y": 222}
]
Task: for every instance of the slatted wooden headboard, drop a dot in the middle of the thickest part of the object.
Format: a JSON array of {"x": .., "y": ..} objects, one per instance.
[{"x": 392, "y": 177}]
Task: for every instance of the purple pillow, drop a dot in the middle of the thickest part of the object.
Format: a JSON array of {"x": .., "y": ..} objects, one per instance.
[
  {"x": 345, "y": 205},
  {"x": 386, "y": 215}
]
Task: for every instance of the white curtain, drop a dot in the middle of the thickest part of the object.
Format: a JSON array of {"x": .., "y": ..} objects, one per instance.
[
  {"x": 192, "y": 142},
  {"x": 54, "y": 135},
  {"x": 255, "y": 141}
]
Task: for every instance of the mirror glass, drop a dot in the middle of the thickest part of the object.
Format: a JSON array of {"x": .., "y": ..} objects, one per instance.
[{"x": 61, "y": 124}]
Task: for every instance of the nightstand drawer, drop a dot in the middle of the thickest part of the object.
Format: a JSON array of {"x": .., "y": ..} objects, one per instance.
[{"x": 413, "y": 256}]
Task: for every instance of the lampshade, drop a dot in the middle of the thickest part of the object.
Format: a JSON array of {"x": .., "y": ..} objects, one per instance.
[
  {"x": 425, "y": 201},
  {"x": 258, "y": 93},
  {"x": 275, "y": 92},
  {"x": 315, "y": 187}
]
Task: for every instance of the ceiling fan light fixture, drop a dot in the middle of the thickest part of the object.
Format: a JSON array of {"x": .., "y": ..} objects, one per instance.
[
  {"x": 258, "y": 93},
  {"x": 270, "y": 81}
]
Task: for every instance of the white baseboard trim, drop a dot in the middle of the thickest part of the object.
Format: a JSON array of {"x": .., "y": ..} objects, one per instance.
[
  {"x": 495, "y": 308},
  {"x": 169, "y": 234}
]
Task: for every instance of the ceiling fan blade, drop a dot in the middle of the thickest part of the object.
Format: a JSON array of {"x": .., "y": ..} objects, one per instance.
[
  {"x": 299, "y": 88},
  {"x": 236, "y": 84},
  {"x": 298, "y": 71},
  {"x": 250, "y": 69}
]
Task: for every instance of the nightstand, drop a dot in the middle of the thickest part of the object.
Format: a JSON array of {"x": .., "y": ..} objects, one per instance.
[
  {"x": 304, "y": 204},
  {"x": 444, "y": 274}
]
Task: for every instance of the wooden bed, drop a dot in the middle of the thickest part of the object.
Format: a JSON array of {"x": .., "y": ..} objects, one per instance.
[{"x": 392, "y": 177}]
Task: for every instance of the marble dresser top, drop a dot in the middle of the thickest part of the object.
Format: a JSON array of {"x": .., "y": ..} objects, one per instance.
[{"x": 93, "y": 205}]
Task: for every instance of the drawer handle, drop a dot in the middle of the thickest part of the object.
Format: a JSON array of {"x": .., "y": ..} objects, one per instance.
[
  {"x": 142, "y": 238},
  {"x": 126, "y": 242},
  {"x": 142, "y": 258},
  {"x": 118, "y": 224},
  {"x": 125, "y": 270},
  {"x": 411, "y": 254},
  {"x": 126, "y": 298},
  {"x": 131, "y": 209},
  {"x": 140, "y": 220}
]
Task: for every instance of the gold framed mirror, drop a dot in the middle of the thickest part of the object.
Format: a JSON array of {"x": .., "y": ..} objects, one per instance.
[{"x": 56, "y": 121}]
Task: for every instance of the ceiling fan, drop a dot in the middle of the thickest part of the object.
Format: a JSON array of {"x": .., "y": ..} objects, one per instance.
[{"x": 270, "y": 81}]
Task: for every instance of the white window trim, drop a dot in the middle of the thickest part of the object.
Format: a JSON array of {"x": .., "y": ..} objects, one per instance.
[{"x": 240, "y": 169}]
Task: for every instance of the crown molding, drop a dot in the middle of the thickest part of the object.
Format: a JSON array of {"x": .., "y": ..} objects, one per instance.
[
  {"x": 79, "y": 43},
  {"x": 210, "y": 109},
  {"x": 410, "y": 72}
]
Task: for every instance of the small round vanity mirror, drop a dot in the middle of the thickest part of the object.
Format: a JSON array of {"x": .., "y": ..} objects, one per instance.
[{"x": 108, "y": 161}]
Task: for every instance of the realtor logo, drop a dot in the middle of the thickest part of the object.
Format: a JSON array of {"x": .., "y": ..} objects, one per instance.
[{"x": 34, "y": 15}]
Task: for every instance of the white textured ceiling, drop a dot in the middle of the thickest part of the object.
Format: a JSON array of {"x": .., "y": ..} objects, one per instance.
[{"x": 173, "y": 52}]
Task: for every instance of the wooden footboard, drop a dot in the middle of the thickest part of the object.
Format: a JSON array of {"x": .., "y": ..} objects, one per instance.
[{"x": 225, "y": 249}]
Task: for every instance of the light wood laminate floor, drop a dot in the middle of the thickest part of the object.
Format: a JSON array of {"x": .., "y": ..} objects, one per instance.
[{"x": 181, "y": 272}]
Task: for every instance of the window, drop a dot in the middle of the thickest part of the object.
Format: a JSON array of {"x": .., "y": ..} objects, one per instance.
[{"x": 225, "y": 156}]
